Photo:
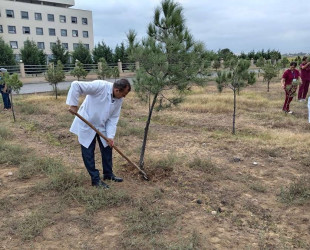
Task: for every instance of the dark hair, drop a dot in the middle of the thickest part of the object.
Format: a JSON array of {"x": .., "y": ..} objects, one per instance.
[
  {"x": 293, "y": 64},
  {"x": 304, "y": 58},
  {"x": 122, "y": 84}
]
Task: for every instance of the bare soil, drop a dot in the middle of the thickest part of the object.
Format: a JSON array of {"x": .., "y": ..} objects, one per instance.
[{"x": 230, "y": 200}]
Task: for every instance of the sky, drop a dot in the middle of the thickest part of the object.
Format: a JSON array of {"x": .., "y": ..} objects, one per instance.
[{"x": 239, "y": 25}]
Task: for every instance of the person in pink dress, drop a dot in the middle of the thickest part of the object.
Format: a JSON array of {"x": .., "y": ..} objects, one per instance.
[
  {"x": 305, "y": 79},
  {"x": 289, "y": 82}
]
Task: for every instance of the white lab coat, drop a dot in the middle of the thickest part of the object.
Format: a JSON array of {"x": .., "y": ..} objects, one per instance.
[{"x": 99, "y": 108}]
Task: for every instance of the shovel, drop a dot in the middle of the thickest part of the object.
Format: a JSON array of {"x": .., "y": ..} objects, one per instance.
[{"x": 116, "y": 148}]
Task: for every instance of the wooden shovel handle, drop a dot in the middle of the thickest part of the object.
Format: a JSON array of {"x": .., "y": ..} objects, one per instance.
[{"x": 104, "y": 137}]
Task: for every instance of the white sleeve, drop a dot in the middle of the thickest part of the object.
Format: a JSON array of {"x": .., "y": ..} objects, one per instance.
[
  {"x": 83, "y": 88},
  {"x": 112, "y": 122}
]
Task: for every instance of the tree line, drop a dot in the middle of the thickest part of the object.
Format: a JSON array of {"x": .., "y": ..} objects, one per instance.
[{"x": 32, "y": 55}]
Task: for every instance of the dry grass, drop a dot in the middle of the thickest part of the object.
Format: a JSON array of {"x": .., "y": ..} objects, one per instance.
[{"x": 254, "y": 181}]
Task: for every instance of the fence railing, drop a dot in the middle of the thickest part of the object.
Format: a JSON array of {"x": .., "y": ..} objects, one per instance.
[{"x": 40, "y": 70}]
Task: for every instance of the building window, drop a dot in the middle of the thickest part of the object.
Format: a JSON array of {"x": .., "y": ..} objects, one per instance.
[
  {"x": 63, "y": 32},
  {"x": 14, "y": 44},
  {"x": 1, "y": 29},
  {"x": 62, "y": 19},
  {"x": 65, "y": 46},
  {"x": 37, "y": 16},
  {"x": 52, "y": 32},
  {"x": 73, "y": 19},
  {"x": 75, "y": 45},
  {"x": 50, "y": 17},
  {"x": 12, "y": 29},
  {"x": 85, "y": 34},
  {"x": 86, "y": 45},
  {"x": 84, "y": 20},
  {"x": 40, "y": 45},
  {"x": 24, "y": 14},
  {"x": 52, "y": 45},
  {"x": 26, "y": 30},
  {"x": 75, "y": 33},
  {"x": 39, "y": 31},
  {"x": 10, "y": 13}
]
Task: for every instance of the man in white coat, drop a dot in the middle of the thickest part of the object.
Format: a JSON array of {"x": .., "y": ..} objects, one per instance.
[{"x": 101, "y": 107}]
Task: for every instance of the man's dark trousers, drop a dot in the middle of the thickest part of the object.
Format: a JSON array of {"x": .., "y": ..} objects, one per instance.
[{"x": 88, "y": 155}]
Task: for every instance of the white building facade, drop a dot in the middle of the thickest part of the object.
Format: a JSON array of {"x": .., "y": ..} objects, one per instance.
[{"x": 43, "y": 21}]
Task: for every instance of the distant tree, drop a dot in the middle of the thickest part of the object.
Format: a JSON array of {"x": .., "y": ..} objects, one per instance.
[
  {"x": 298, "y": 60},
  {"x": 225, "y": 54},
  {"x": 59, "y": 53},
  {"x": 82, "y": 54},
  {"x": 284, "y": 62},
  {"x": 251, "y": 55},
  {"x": 103, "y": 51},
  {"x": 216, "y": 64},
  {"x": 270, "y": 70},
  {"x": 32, "y": 56},
  {"x": 104, "y": 71},
  {"x": 55, "y": 74},
  {"x": 7, "y": 55},
  {"x": 243, "y": 56},
  {"x": 260, "y": 62},
  {"x": 170, "y": 60},
  {"x": 231, "y": 63},
  {"x": 237, "y": 79},
  {"x": 115, "y": 72},
  {"x": 79, "y": 71},
  {"x": 120, "y": 53},
  {"x": 13, "y": 84}
]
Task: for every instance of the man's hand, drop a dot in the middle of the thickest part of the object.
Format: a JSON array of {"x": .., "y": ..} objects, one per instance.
[
  {"x": 110, "y": 142},
  {"x": 73, "y": 109}
]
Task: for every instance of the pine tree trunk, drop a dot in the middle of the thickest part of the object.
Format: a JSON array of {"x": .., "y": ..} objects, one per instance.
[
  {"x": 234, "y": 114},
  {"x": 146, "y": 130},
  {"x": 268, "y": 86},
  {"x": 56, "y": 90},
  {"x": 12, "y": 107}
]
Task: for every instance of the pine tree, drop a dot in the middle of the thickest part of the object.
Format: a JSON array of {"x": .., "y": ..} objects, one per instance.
[
  {"x": 13, "y": 84},
  {"x": 238, "y": 78},
  {"x": 32, "y": 56},
  {"x": 59, "y": 53},
  {"x": 6, "y": 52},
  {"x": 103, "y": 51},
  {"x": 270, "y": 71},
  {"x": 79, "y": 71},
  {"x": 169, "y": 59},
  {"x": 104, "y": 71},
  {"x": 55, "y": 74},
  {"x": 82, "y": 54}
]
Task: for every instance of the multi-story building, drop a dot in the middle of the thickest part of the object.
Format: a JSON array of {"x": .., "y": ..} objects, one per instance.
[{"x": 43, "y": 21}]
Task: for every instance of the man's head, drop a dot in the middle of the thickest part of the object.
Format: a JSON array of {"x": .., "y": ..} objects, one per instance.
[{"x": 121, "y": 88}]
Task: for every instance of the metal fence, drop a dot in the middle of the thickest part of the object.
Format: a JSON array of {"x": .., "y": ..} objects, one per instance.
[{"x": 40, "y": 70}]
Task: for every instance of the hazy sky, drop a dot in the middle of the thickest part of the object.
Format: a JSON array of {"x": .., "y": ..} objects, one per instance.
[{"x": 240, "y": 25}]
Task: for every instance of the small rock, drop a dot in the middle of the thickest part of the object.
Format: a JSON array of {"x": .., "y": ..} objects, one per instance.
[
  {"x": 224, "y": 202},
  {"x": 213, "y": 212},
  {"x": 255, "y": 163},
  {"x": 236, "y": 159},
  {"x": 204, "y": 144},
  {"x": 199, "y": 202},
  {"x": 9, "y": 174}
]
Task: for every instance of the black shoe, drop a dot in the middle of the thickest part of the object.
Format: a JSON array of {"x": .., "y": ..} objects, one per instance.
[
  {"x": 100, "y": 184},
  {"x": 113, "y": 178}
]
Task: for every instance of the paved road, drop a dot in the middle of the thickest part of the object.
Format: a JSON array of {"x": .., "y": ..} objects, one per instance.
[{"x": 31, "y": 88}]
